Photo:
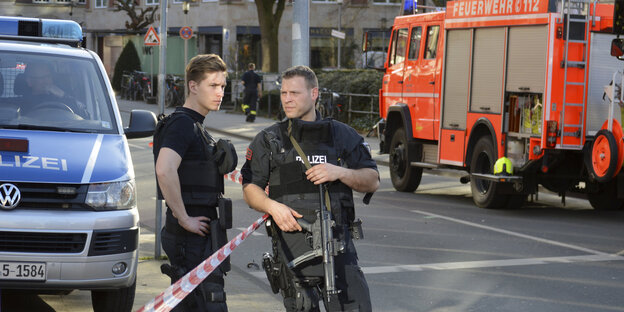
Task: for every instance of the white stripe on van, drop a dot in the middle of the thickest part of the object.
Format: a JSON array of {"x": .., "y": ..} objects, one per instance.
[{"x": 86, "y": 176}]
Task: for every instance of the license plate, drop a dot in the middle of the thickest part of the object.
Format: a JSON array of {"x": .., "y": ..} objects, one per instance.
[{"x": 31, "y": 271}]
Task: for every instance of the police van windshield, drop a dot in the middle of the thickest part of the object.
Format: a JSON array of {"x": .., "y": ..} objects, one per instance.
[{"x": 53, "y": 92}]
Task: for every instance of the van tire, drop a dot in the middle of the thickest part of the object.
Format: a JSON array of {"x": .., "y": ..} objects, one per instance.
[
  {"x": 485, "y": 194},
  {"x": 115, "y": 300},
  {"x": 405, "y": 178}
]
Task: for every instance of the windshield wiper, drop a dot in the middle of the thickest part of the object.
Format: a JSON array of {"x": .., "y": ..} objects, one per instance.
[{"x": 37, "y": 127}]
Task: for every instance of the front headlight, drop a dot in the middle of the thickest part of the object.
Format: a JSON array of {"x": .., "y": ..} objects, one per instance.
[{"x": 112, "y": 196}]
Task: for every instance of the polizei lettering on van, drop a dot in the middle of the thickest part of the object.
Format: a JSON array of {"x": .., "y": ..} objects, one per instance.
[
  {"x": 314, "y": 159},
  {"x": 34, "y": 162}
]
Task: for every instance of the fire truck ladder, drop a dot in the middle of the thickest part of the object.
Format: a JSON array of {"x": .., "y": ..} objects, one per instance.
[{"x": 568, "y": 7}]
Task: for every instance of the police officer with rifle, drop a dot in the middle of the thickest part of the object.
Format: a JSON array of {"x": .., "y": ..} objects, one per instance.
[
  {"x": 311, "y": 167},
  {"x": 190, "y": 166}
]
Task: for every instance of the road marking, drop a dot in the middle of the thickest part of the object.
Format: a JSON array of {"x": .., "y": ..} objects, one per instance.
[
  {"x": 466, "y": 305},
  {"x": 489, "y": 228},
  {"x": 252, "y": 234},
  {"x": 488, "y": 263}
]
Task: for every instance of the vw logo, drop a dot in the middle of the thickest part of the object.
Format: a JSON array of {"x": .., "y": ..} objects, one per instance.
[{"x": 9, "y": 196}]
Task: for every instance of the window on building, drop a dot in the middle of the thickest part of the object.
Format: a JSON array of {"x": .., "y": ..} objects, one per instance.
[
  {"x": 177, "y": 1},
  {"x": 387, "y": 1},
  {"x": 54, "y": 1},
  {"x": 432, "y": 41},
  {"x": 101, "y": 3},
  {"x": 414, "y": 48},
  {"x": 152, "y": 2},
  {"x": 399, "y": 45},
  {"x": 324, "y": 48}
]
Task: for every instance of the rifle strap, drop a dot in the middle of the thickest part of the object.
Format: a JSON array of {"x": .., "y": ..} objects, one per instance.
[{"x": 306, "y": 162}]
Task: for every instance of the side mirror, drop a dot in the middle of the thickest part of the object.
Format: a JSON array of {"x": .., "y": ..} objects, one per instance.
[
  {"x": 142, "y": 124},
  {"x": 617, "y": 48}
]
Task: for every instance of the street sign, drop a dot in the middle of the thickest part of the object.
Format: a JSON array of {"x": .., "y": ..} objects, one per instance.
[
  {"x": 186, "y": 32},
  {"x": 337, "y": 34},
  {"x": 151, "y": 38}
]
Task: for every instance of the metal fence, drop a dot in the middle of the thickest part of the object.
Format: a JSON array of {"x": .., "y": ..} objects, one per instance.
[{"x": 373, "y": 110}]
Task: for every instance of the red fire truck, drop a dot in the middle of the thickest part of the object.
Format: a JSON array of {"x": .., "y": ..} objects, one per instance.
[{"x": 528, "y": 84}]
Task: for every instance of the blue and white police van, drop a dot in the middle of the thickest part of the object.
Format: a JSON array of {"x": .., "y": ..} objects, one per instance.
[{"x": 68, "y": 212}]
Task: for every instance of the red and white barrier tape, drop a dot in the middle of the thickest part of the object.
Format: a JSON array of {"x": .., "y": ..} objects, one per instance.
[
  {"x": 169, "y": 298},
  {"x": 234, "y": 176}
]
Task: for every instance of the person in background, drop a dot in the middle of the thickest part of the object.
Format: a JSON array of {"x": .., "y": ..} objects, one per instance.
[{"x": 252, "y": 92}]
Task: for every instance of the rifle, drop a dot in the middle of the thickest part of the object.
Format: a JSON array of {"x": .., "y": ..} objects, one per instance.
[{"x": 323, "y": 244}]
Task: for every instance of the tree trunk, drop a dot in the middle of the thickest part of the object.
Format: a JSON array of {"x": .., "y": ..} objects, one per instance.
[{"x": 269, "y": 17}]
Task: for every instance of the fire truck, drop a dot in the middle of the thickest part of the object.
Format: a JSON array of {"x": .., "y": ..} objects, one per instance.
[{"x": 517, "y": 93}]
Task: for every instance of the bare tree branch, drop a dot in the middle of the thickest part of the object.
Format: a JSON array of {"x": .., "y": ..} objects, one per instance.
[{"x": 145, "y": 17}]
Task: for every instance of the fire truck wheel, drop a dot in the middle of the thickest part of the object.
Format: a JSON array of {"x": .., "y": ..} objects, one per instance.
[
  {"x": 485, "y": 193},
  {"x": 604, "y": 156},
  {"x": 405, "y": 178},
  {"x": 606, "y": 197}
]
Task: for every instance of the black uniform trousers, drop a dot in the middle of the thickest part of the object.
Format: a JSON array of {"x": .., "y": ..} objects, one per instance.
[{"x": 187, "y": 250}]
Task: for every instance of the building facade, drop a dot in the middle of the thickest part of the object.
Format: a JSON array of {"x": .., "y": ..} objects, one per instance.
[{"x": 229, "y": 28}]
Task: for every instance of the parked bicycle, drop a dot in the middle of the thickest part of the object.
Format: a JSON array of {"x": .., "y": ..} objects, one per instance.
[
  {"x": 175, "y": 91},
  {"x": 126, "y": 84},
  {"x": 328, "y": 103},
  {"x": 135, "y": 85}
]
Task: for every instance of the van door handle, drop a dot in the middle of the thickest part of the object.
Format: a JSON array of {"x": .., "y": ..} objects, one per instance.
[
  {"x": 400, "y": 81},
  {"x": 432, "y": 82}
]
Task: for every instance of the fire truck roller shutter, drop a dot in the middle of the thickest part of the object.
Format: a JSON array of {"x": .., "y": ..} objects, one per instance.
[
  {"x": 526, "y": 64},
  {"x": 487, "y": 70},
  {"x": 456, "y": 76}
]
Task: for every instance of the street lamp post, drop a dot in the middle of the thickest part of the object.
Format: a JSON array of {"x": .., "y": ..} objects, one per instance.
[
  {"x": 339, "y": 28},
  {"x": 185, "y": 7}
]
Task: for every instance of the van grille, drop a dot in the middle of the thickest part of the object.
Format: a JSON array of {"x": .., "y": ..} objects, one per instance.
[
  {"x": 52, "y": 196},
  {"x": 42, "y": 242},
  {"x": 113, "y": 242}
]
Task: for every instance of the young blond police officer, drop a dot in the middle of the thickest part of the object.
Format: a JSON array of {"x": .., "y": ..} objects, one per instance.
[
  {"x": 341, "y": 159},
  {"x": 190, "y": 178}
]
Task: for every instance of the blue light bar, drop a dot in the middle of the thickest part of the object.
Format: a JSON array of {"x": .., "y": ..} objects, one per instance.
[{"x": 25, "y": 28}]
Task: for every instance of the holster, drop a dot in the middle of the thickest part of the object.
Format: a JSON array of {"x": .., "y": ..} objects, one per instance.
[
  {"x": 225, "y": 212},
  {"x": 218, "y": 236}
]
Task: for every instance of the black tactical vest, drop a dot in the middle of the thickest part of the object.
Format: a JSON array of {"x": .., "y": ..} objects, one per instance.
[
  {"x": 200, "y": 180},
  {"x": 288, "y": 184}
]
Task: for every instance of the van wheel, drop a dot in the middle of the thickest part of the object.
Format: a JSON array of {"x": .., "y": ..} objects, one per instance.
[
  {"x": 606, "y": 197},
  {"x": 485, "y": 194},
  {"x": 405, "y": 178},
  {"x": 116, "y": 300}
]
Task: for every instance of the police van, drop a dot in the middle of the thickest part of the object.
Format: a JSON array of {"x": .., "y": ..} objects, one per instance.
[{"x": 68, "y": 212}]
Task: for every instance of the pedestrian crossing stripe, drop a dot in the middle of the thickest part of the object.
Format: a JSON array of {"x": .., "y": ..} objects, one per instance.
[{"x": 151, "y": 38}]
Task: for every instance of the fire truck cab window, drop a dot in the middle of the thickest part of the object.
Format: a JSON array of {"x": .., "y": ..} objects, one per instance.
[
  {"x": 414, "y": 43},
  {"x": 432, "y": 41},
  {"x": 399, "y": 46}
]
